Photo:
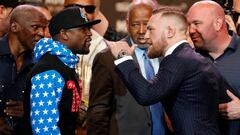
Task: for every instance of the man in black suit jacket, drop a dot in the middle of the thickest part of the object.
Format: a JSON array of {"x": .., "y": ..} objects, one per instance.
[
  {"x": 112, "y": 109},
  {"x": 187, "y": 84}
]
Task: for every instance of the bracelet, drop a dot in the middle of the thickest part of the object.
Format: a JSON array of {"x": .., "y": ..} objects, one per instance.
[{"x": 122, "y": 54}]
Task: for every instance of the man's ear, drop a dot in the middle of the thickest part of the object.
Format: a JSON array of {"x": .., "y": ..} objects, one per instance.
[
  {"x": 14, "y": 27},
  {"x": 64, "y": 34},
  {"x": 170, "y": 31},
  {"x": 218, "y": 23}
]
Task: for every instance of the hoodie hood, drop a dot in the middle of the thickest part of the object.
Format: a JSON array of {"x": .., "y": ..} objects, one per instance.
[{"x": 47, "y": 45}]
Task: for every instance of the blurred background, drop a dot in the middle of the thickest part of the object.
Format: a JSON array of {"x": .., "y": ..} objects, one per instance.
[{"x": 115, "y": 10}]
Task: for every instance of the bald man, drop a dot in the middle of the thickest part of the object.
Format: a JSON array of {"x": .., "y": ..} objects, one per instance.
[
  {"x": 16, "y": 61},
  {"x": 187, "y": 84},
  {"x": 45, "y": 11},
  {"x": 210, "y": 37}
]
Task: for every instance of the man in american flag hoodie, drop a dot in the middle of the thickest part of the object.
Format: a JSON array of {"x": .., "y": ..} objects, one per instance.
[{"x": 53, "y": 90}]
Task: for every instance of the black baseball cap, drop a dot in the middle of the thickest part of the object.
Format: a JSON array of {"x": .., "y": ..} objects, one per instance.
[
  {"x": 10, "y": 3},
  {"x": 68, "y": 18}
]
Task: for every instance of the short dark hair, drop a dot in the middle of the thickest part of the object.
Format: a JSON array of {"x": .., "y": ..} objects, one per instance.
[
  {"x": 162, "y": 9},
  {"x": 168, "y": 11}
]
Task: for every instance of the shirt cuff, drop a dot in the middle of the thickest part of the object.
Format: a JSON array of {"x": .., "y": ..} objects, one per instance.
[{"x": 121, "y": 60}]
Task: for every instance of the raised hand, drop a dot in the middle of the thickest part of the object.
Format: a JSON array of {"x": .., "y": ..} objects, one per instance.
[{"x": 117, "y": 47}]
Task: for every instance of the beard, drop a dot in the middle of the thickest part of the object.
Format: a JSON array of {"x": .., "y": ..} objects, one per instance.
[
  {"x": 81, "y": 51},
  {"x": 82, "y": 47},
  {"x": 157, "y": 49},
  {"x": 152, "y": 53}
]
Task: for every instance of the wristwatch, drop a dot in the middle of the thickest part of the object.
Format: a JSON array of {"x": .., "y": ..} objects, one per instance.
[{"x": 122, "y": 54}]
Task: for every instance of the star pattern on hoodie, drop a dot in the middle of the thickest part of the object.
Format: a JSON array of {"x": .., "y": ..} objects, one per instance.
[{"x": 45, "y": 96}]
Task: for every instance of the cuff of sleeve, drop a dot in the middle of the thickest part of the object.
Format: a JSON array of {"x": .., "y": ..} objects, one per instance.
[{"x": 121, "y": 60}]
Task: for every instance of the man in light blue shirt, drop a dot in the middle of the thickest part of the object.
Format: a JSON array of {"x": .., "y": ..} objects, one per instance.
[{"x": 112, "y": 109}]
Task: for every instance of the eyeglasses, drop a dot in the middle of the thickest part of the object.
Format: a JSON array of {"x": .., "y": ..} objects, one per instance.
[{"x": 88, "y": 8}]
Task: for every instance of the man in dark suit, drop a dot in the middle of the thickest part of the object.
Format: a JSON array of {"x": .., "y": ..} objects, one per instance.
[
  {"x": 187, "y": 84},
  {"x": 112, "y": 109}
]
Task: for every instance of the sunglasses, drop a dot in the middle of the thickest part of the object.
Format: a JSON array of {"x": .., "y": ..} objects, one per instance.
[{"x": 88, "y": 8}]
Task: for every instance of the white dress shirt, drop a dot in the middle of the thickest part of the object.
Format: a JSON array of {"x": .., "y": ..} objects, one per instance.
[{"x": 168, "y": 52}]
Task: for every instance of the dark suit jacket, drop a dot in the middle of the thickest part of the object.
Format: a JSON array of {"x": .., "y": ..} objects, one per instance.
[
  {"x": 112, "y": 109},
  {"x": 188, "y": 86}
]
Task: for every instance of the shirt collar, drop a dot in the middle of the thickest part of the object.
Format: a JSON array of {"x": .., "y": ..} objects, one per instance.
[
  {"x": 173, "y": 47},
  {"x": 4, "y": 47},
  {"x": 234, "y": 42},
  {"x": 139, "y": 52}
]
